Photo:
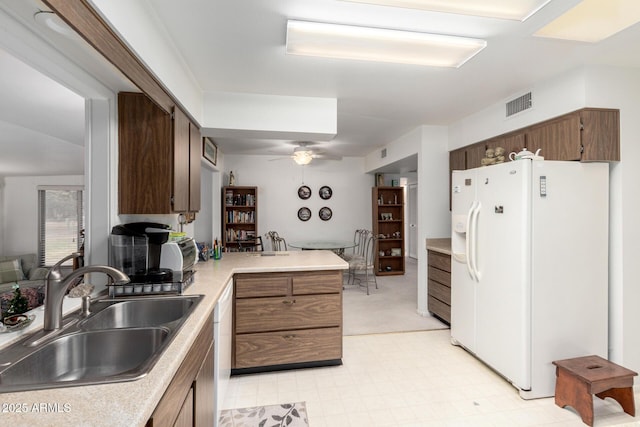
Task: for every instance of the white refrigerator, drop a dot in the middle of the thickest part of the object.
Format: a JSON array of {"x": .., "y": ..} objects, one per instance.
[{"x": 529, "y": 271}]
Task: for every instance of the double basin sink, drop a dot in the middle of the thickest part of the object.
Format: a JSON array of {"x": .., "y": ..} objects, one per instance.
[{"x": 119, "y": 341}]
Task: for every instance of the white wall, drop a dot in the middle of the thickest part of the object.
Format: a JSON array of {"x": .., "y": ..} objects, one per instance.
[
  {"x": 20, "y": 226},
  {"x": 620, "y": 88},
  {"x": 278, "y": 180},
  {"x": 551, "y": 98},
  {"x": 244, "y": 115},
  {"x": 592, "y": 87},
  {"x": 434, "y": 218},
  {"x": 136, "y": 24}
]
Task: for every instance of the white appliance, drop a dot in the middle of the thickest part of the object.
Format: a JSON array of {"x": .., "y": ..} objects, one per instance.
[
  {"x": 222, "y": 322},
  {"x": 529, "y": 271}
]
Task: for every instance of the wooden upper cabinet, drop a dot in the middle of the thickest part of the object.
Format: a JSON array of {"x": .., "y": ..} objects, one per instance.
[
  {"x": 159, "y": 159},
  {"x": 145, "y": 156},
  {"x": 187, "y": 146},
  {"x": 181, "y": 156},
  {"x": 557, "y": 139},
  {"x": 475, "y": 153},
  {"x": 457, "y": 160},
  {"x": 514, "y": 142},
  {"x": 600, "y": 134},
  {"x": 195, "y": 150},
  {"x": 590, "y": 134}
]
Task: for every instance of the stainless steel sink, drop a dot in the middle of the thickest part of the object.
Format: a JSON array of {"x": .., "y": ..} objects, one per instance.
[
  {"x": 87, "y": 357},
  {"x": 120, "y": 341},
  {"x": 139, "y": 313}
]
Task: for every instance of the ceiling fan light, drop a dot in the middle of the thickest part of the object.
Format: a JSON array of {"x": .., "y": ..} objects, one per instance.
[{"x": 302, "y": 157}]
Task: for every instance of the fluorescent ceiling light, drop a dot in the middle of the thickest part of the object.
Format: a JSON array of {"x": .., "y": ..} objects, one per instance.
[
  {"x": 302, "y": 156},
  {"x": 503, "y": 9},
  {"x": 375, "y": 44},
  {"x": 593, "y": 20}
]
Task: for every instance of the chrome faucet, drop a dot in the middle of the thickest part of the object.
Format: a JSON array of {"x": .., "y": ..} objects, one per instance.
[{"x": 56, "y": 287}]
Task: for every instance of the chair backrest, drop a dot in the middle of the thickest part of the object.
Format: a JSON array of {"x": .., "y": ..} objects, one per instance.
[
  {"x": 363, "y": 239},
  {"x": 281, "y": 244},
  {"x": 277, "y": 243},
  {"x": 370, "y": 247}
]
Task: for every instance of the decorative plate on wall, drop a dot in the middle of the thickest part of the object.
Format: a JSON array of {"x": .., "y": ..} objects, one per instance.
[
  {"x": 304, "y": 192},
  {"x": 304, "y": 214},
  {"x": 325, "y": 192},
  {"x": 325, "y": 214}
]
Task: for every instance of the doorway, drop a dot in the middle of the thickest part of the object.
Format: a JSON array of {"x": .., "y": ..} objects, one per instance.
[{"x": 412, "y": 220}]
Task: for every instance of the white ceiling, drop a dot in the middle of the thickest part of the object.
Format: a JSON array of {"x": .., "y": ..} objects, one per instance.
[{"x": 238, "y": 46}]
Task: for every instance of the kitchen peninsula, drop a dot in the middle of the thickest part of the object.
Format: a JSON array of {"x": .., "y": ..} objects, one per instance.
[{"x": 133, "y": 403}]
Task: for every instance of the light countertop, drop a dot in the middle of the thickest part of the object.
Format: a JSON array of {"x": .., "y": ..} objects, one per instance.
[
  {"x": 442, "y": 245},
  {"x": 132, "y": 403}
]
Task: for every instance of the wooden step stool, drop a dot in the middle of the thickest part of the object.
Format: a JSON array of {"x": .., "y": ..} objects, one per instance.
[{"x": 577, "y": 379}]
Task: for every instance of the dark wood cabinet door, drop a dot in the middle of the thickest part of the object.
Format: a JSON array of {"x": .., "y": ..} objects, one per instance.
[
  {"x": 181, "y": 154},
  {"x": 557, "y": 139},
  {"x": 475, "y": 153},
  {"x": 204, "y": 392},
  {"x": 600, "y": 135},
  {"x": 511, "y": 143},
  {"x": 457, "y": 160},
  {"x": 144, "y": 151},
  {"x": 195, "y": 150}
]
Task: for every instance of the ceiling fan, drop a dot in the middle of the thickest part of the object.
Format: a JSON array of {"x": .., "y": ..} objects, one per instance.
[{"x": 303, "y": 154}]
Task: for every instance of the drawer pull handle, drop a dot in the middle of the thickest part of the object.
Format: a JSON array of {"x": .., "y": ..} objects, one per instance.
[
  {"x": 288, "y": 337},
  {"x": 289, "y": 301}
]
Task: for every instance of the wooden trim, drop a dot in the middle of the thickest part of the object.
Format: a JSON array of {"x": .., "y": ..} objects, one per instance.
[{"x": 86, "y": 21}]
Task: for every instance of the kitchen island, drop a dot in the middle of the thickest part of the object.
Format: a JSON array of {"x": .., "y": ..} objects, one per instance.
[{"x": 132, "y": 403}]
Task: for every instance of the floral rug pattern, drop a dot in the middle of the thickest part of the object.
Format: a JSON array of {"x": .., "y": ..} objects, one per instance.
[{"x": 283, "y": 415}]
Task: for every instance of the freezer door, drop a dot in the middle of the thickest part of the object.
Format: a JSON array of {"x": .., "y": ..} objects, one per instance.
[
  {"x": 503, "y": 269},
  {"x": 462, "y": 283}
]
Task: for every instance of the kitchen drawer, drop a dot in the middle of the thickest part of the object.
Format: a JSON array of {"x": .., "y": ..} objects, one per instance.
[
  {"x": 262, "y": 285},
  {"x": 317, "y": 282},
  {"x": 440, "y": 291},
  {"x": 279, "y": 314},
  {"x": 443, "y": 277},
  {"x": 278, "y": 348},
  {"x": 439, "y": 260},
  {"x": 439, "y": 309}
]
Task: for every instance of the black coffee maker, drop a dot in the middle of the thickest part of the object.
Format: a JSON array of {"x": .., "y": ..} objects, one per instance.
[{"x": 135, "y": 250}]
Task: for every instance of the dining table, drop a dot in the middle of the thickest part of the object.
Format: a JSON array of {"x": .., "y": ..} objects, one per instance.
[{"x": 337, "y": 246}]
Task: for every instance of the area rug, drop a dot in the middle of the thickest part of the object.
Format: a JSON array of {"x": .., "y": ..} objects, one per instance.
[{"x": 283, "y": 415}]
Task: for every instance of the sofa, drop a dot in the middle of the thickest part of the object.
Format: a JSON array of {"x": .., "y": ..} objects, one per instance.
[{"x": 23, "y": 270}]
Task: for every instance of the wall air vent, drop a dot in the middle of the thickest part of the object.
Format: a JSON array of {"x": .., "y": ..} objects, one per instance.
[
  {"x": 519, "y": 104},
  {"x": 383, "y": 153}
]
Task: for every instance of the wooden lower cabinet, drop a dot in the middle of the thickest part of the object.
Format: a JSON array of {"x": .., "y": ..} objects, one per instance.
[
  {"x": 284, "y": 319},
  {"x": 188, "y": 400},
  {"x": 439, "y": 273}
]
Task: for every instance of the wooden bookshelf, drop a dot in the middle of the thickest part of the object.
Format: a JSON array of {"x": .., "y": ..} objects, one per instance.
[
  {"x": 388, "y": 224},
  {"x": 239, "y": 217}
]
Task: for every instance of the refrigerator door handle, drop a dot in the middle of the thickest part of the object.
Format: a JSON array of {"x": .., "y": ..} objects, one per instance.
[
  {"x": 474, "y": 241},
  {"x": 468, "y": 242}
]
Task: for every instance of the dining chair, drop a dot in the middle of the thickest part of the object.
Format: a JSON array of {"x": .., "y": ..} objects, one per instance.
[
  {"x": 358, "y": 248},
  {"x": 364, "y": 267},
  {"x": 281, "y": 244},
  {"x": 277, "y": 243}
]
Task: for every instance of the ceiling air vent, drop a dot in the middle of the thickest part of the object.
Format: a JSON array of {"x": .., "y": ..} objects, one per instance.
[
  {"x": 383, "y": 153},
  {"x": 519, "y": 104}
]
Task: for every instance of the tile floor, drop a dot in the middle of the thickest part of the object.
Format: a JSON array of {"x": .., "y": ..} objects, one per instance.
[{"x": 410, "y": 379}]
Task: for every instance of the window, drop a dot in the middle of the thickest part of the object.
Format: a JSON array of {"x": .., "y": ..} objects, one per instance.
[{"x": 60, "y": 221}]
